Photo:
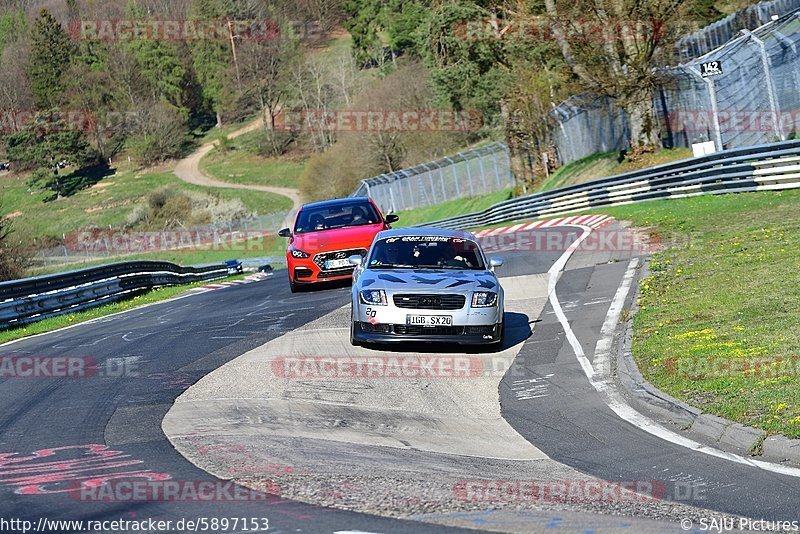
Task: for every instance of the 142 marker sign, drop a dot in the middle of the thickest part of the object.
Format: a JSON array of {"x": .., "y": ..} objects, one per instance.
[{"x": 710, "y": 68}]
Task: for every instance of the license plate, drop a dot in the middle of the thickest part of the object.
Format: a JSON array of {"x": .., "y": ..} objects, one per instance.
[
  {"x": 429, "y": 320},
  {"x": 337, "y": 264}
]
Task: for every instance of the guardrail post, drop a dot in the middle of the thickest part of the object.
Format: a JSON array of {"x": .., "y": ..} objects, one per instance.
[
  {"x": 712, "y": 94},
  {"x": 773, "y": 101}
]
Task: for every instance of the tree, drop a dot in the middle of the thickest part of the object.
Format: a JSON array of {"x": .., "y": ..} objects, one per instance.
[
  {"x": 266, "y": 67},
  {"x": 619, "y": 60},
  {"x": 13, "y": 258},
  {"x": 46, "y": 141},
  {"x": 211, "y": 58},
  {"x": 51, "y": 55}
]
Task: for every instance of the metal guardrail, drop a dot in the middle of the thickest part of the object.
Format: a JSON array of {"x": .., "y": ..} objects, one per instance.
[
  {"x": 32, "y": 299},
  {"x": 764, "y": 167}
]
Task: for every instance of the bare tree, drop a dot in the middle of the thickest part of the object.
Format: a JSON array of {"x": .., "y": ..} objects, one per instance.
[{"x": 613, "y": 47}]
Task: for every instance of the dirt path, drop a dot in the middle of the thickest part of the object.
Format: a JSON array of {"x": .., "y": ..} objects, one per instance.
[{"x": 188, "y": 170}]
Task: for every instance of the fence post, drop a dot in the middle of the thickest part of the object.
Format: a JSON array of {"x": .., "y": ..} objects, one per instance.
[
  {"x": 496, "y": 171},
  {"x": 773, "y": 101},
  {"x": 441, "y": 182},
  {"x": 712, "y": 94},
  {"x": 483, "y": 174},
  {"x": 469, "y": 174},
  {"x": 430, "y": 179},
  {"x": 455, "y": 176}
]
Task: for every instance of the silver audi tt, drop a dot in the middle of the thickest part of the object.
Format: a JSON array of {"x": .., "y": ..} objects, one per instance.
[{"x": 426, "y": 284}]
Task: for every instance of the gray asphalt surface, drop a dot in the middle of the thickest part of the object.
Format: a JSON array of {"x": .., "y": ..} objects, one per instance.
[{"x": 172, "y": 345}]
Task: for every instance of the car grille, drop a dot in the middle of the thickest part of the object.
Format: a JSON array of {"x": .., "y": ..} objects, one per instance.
[
  {"x": 413, "y": 330},
  {"x": 430, "y": 302},
  {"x": 322, "y": 257},
  {"x": 336, "y": 272}
]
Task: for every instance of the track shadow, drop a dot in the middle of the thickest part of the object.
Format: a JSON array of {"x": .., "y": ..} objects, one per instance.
[{"x": 517, "y": 329}]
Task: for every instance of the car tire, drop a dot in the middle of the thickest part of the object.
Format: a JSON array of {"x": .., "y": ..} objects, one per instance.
[
  {"x": 353, "y": 341},
  {"x": 500, "y": 340},
  {"x": 293, "y": 287}
]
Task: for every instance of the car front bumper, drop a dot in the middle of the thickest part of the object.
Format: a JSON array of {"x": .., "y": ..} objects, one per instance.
[{"x": 395, "y": 333}]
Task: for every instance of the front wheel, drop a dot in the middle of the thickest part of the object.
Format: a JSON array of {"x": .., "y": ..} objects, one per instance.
[
  {"x": 500, "y": 339},
  {"x": 353, "y": 340},
  {"x": 293, "y": 287}
]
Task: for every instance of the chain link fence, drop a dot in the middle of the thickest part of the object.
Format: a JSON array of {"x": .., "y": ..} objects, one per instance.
[
  {"x": 741, "y": 92},
  {"x": 473, "y": 172}
]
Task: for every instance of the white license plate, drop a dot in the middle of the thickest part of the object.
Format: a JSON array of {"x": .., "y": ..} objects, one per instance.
[
  {"x": 430, "y": 320},
  {"x": 337, "y": 264}
]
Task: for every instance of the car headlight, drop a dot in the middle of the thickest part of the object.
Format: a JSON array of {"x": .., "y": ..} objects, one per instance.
[
  {"x": 375, "y": 297},
  {"x": 300, "y": 254},
  {"x": 484, "y": 299}
]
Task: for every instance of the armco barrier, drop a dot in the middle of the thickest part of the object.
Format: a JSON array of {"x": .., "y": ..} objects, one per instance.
[
  {"x": 31, "y": 299},
  {"x": 765, "y": 167}
]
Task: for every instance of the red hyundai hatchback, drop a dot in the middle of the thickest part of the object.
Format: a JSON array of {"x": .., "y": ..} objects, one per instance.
[{"x": 326, "y": 234}]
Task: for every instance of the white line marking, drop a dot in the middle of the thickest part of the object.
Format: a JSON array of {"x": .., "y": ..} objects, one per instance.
[{"x": 605, "y": 386}]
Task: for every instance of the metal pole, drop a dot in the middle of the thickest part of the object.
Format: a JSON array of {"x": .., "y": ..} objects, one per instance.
[
  {"x": 483, "y": 174},
  {"x": 712, "y": 94},
  {"x": 455, "y": 176},
  {"x": 469, "y": 175},
  {"x": 773, "y": 101},
  {"x": 441, "y": 182},
  {"x": 430, "y": 179},
  {"x": 496, "y": 171}
]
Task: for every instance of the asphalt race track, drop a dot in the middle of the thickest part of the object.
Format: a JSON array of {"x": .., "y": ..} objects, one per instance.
[{"x": 550, "y": 422}]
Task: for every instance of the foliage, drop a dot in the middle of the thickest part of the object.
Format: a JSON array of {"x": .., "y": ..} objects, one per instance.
[{"x": 51, "y": 55}]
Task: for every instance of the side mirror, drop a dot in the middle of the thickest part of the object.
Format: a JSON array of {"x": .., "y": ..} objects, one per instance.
[
  {"x": 496, "y": 262},
  {"x": 285, "y": 233},
  {"x": 392, "y": 218},
  {"x": 355, "y": 260}
]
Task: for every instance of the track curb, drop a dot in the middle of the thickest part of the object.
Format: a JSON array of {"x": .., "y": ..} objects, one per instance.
[{"x": 689, "y": 420}]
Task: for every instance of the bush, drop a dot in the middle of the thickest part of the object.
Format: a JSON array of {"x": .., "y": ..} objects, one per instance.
[
  {"x": 170, "y": 208},
  {"x": 14, "y": 258}
]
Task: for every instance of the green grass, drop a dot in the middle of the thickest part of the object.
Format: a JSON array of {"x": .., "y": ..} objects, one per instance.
[
  {"x": 451, "y": 208},
  {"x": 728, "y": 295},
  {"x": 108, "y": 203},
  {"x": 61, "y": 321},
  {"x": 243, "y": 165},
  {"x": 253, "y": 248},
  {"x": 606, "y": 164}
]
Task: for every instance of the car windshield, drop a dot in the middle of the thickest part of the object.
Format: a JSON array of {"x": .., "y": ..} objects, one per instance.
[
  {"x": 426, "y": 252},
  {"x": 328, "y": 217}
]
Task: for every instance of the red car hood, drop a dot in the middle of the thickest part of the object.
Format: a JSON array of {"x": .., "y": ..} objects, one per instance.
[{"x": 337, "y": 239}]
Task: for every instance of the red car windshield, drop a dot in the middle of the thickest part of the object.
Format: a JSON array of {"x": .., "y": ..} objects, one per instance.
[{"x": 333, "y": 216}]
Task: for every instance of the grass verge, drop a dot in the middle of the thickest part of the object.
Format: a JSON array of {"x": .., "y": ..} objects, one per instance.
[
  {"x": 242, "y": 164},
  {"x": 61, "y": 321},
  {"x": 718, "y": 325},
  {"x": 451, "y": 208},
  {"x": 606, "y": 164}
]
